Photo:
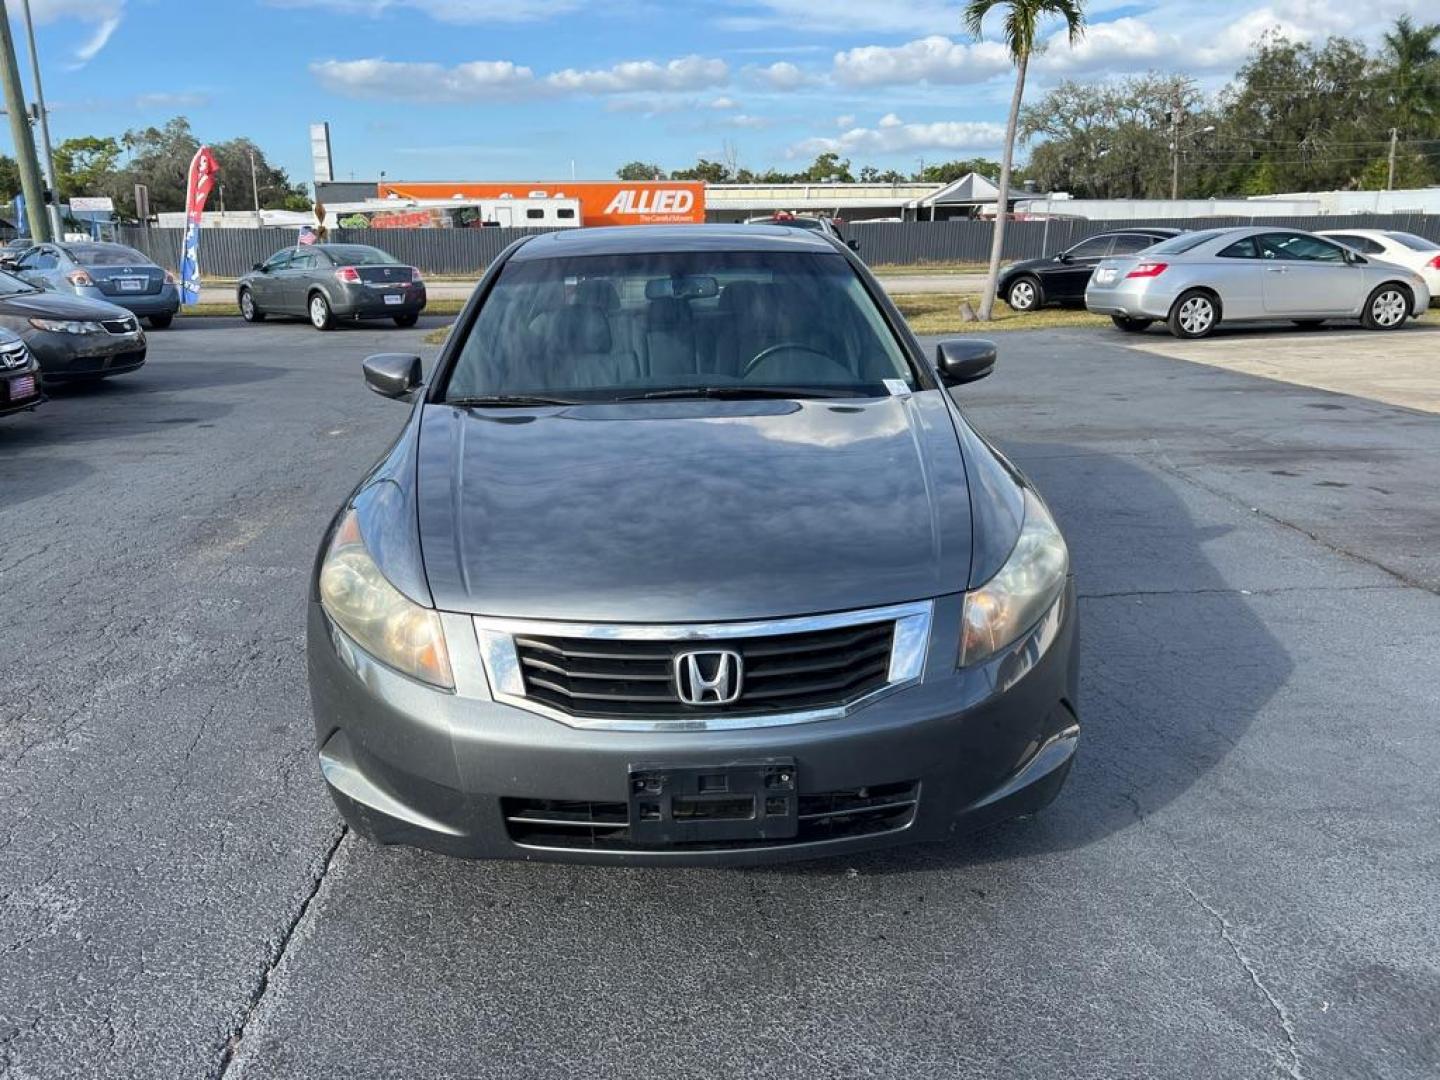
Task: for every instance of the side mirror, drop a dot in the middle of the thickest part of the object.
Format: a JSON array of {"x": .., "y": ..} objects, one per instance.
[
  {"x": 393, "y": 375},
  {"x": 964, "y": 360},
  {"x": 853, "y": 245},
  {"x": 1064, "y": 257},
  {"x": 258, "y": 268}
]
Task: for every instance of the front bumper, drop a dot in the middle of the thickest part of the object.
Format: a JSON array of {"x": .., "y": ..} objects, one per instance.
[
  {"x": 9, "y": 377},
  {"x": 368, "y": 302},
  {"x": 1136, "y": 298},
  {"x": 164, "y": 302},
  {"x": 85, "y": 356},
  {"x": 408, "y": 764}
]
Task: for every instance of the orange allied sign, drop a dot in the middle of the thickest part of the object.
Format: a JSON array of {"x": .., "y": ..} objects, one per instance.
[{"x": 618, "y": 202}]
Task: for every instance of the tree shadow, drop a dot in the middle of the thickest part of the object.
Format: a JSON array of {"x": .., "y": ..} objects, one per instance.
[{"x": 1174, "y": 667}]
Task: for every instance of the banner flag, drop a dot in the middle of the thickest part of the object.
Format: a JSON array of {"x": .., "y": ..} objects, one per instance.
[{"x": 203, "y": 173}]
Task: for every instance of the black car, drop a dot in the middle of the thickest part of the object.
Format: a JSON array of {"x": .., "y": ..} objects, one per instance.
[
  {"x": 687, "y": 555},
  {"x": 1061, "y": 279}
]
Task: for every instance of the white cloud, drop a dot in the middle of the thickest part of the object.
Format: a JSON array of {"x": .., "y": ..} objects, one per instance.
[
  {"x": 97, "y": 41},
  {"x": 744, "y": 120},
  {"x": 723, "y": 103},
  {"x": 894, "y": 136},
  {"x": 912, "y": 16},
  {"x": 781, "y": 75},
  {"x": 933, "y": 59},
  {"x": 458, "y": 12},
  {"x": 106, "y": 16},
  {"x": 479, "y": 80},
  {"x": 846, "y": 121}
]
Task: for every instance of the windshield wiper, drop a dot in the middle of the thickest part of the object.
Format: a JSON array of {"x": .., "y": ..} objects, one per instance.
[
  {"x": 738, "y": 391},
  {"x": 502, "y": 400}
]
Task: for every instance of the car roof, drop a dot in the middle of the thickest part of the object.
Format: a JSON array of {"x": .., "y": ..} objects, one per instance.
[
  {"x": 1356, "y": 232},
  {"x": 644, "y": 239},
  {"x": 1143, "y": 230}
]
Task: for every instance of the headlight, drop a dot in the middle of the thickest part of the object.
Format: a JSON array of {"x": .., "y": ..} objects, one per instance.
[
  {"x": 1021, "y": 591},
  {"x": 377, "y": 615},
  {"x": 67, "y": 326}
]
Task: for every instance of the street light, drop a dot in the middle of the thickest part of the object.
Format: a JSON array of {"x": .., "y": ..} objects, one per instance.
[{"x": 1175, "y": 137}]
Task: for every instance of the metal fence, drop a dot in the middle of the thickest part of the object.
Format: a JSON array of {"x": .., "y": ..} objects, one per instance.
[{"x": 466, "y": 252}]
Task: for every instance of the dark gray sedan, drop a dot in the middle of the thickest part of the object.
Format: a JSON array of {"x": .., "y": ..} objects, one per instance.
[
  {"x": 687, "y": 555},
  {"x": 328, "y": 283},
  {"x": 71, "y": 337}
]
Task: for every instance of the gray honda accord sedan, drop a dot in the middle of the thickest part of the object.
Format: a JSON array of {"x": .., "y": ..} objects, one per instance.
[{"x": 686, "y": 555}]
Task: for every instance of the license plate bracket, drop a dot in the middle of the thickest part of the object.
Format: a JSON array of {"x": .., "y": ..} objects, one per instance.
[
  {"x": 1106, "y": 276},
  {"x": 20, "y": 387},
  {"x": 394, "y": 298},
  {"x": 739, "y": 800},
  {"x": 131, "y": 284}
]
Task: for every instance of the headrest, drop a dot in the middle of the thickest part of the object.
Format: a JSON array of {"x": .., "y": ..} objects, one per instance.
[
  {"x": 597, "y": 292},
  {"x": 668, "y": 314},
  {"x": 582, "y": 328}
]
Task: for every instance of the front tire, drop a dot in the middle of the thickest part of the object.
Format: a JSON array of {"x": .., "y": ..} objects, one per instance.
[
  {"x": 320, "y": 316},
  {"x": 406, "y": 321},
  {"x": 1131, "y": 325},
  {"x": 249, "y": 310},
  {"x": 1194, "y": 314},
  {"x": 1386, "y": 308},
  {"x": 160, "y": 322},
  {"x": 1024, "y": 295}
]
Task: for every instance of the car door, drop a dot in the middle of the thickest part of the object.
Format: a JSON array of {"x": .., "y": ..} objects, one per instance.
[
  {"x": 1307, "y": 275},
  {"x": 1065, "y": 280},
  {"x": 299, "y": 276},
  {"x": 1237, "y": 278},
  {"x": 265, "y": 285}
]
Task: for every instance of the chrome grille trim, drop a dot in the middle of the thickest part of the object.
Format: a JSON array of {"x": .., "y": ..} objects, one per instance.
[{"x": 496, "y": 636}]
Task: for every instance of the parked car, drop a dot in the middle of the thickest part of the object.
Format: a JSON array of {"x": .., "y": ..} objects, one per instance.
[
  {"x": 1397, "y": 248},
  {"x": 1257, "y": 273},
  {"x": 12, "y": 250},
  {"x": 71, "y": 337},
  {"x": 1061, "y": 278},
  {"x": 827, "y": 226},
  {"x": 327, "y": 283},
  {"x": 114, "y": 273},
  {"x": 19, "y": 375},
  {"x": 687, "y": 555}
]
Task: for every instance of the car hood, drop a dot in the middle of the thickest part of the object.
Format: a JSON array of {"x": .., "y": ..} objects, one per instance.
[
  {"x": 1011, "y": 269},
  {"x": 50, "y": 305},
  {"x": 692, "y": 510}
]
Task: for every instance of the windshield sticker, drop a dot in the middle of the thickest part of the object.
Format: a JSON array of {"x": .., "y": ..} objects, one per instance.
[{"x": 897, "y": 387}]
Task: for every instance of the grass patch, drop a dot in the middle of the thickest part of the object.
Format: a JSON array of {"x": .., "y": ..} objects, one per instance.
[
  {"x": 939, "y": 313},
  {"x": 927, "y": 269}
]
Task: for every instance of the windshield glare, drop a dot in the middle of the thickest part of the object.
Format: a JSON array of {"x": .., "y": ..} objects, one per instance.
[
  {"x": 10, "y": 285},
  {"x": 108, "y": 255},
  {"x": 359, "y": 255},
  {"x": 616, "y": 326}
]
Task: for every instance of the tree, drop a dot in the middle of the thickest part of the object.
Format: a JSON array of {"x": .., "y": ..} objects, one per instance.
[
  {"x": 1412, "y": 68},
  {"x": 826, "y": 167},
  {"x": 712, "y": 172},
  {"x": 946, "y": 172},
  {"x": 86, "y": 165},
  {"x": 9, "y": 178},
  {"x": 640, "y": 170},
  {"x": 1022, "y": 20}
]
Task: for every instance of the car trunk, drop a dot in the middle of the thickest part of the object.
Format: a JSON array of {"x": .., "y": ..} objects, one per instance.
[
  {"x": 384, "y": 275},
  {"x": 125, "y": 281}
]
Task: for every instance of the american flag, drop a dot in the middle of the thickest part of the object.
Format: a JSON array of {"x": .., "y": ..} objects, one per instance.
[{"x": 307, "y": 235}]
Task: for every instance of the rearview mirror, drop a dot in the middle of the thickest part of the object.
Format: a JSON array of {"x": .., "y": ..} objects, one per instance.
[
  {"x": 682, "y": 287},
  {"x": 964, "y": 360},
  {"x": 393, "y": 375}
]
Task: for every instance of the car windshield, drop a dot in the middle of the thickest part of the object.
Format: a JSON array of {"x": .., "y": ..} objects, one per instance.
[
  {"x": 107, "y": 255},
  {"x": 359, "y": 255},
  {"x": 1413, "y": 242},
  {"x": 678, "y": 324},
  {"x": 1184, "y": 242},
  {"x": 10, "y": 285}
]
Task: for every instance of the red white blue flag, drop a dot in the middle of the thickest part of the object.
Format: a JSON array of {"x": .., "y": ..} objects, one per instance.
[{"x": 203, "y": 174}]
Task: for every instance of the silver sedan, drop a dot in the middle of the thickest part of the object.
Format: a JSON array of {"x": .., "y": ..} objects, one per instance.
[{"x": 1200, "y": 279}]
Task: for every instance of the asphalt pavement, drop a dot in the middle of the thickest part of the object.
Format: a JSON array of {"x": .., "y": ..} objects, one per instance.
[{"x": 1239, "y": 881}]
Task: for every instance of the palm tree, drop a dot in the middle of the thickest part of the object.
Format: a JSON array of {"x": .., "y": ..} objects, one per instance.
[
  {"x": 1414, "y": 62},
  {"x": 1022, "y": 19}
]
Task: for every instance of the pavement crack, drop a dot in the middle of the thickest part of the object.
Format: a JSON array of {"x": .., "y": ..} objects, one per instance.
[
  {"x": 1287, "y": 1059},
  {"x": 277, "y": 956}
]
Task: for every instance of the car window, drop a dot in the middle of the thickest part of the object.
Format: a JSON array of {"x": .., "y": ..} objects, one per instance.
[
  {"x": 280, "y": 260},
  {"x": 1413, "y": 242},
  {"x": 40, "y": 258},
  {"x": 1185, "y": 242},
  {"x": 1131, "y": 243},
  {"x": 359, "y": 255},
  {"x": 1300, "y": 248},
  {"x": 107, "y": 255},
  {"x": 1358, "y": 243},
  {"x": 1097, "y": 247},
  {"x": 612, "y": 326},
  {"x": 304, "y": 260},
  {"x": 1241, "y": 249}
]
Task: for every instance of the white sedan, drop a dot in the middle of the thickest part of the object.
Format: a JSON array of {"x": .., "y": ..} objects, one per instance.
[{"x": 1400, "y": 248}]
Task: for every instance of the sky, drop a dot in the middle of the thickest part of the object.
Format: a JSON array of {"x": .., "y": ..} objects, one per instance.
[{"x": 521, "y": 89}]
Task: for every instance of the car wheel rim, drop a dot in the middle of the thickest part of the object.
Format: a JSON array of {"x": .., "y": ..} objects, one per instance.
[
  {"x": 317, "y": 311},
  {"x": 1389, "y": 308},
  {"x": 1196, "y": 315},
  {"x": 247, "y": 306},
  {"x": 1022, "y": 296}
]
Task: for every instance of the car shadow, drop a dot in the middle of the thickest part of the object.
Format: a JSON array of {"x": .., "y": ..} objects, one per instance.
[
  {"x": 1175, "y": 663},
  {"x": 1261, "y": 331}
]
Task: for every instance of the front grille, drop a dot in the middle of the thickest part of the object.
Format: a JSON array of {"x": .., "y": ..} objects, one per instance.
[
  {"x": 120, "y": 326},
  {"x": 14, "y": 356},
  {"x": 782, "y": 673},
  {"x": 605, "y": 826}
]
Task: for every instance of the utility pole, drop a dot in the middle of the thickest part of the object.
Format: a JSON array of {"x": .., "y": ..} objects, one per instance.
[
  {"x": 24, "y": 138},
  {"x": 1175, "y": 152},
  {"x": 255, "y": 189},
  {"x": 1390, "y": 177},
  {"x": 47, "y": 159}
]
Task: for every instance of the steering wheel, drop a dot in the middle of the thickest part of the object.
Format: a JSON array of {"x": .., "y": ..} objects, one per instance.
[{"x": 795, "y": 346}]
